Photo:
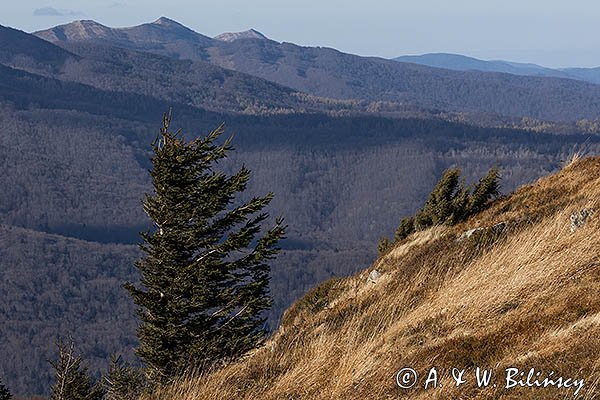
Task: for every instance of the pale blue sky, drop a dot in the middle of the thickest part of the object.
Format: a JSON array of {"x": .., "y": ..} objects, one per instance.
[{"x": 548, "y": 32}]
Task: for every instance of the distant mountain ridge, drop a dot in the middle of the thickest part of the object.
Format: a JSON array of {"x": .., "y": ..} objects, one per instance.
[
  {"x": 163, "y": 36},
  {"x": 585, "y": 74},
  {"x": 121, "y": 69},
  {"x": 161, "y": 30},
  {"x": 328, "y": 73},
  {"x": 458, "y": 62},
  {"x": 168, "y": 37}
]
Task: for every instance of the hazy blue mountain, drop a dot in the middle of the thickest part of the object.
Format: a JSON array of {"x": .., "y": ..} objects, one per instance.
[
  {"x": 586, "y": 74},
  {"x": 459, "y": 62},
  {"x": 328, "y": 73}
]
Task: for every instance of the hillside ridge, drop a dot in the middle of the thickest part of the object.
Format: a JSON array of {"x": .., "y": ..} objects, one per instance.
[{"x": 518, "y": 292}]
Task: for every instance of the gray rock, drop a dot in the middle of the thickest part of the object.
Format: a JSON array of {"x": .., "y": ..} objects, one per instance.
[
  {"x": 374, "y": 276},
  {"x": 579, "y": 218},
  {"x": 469, "y": 233},
  {"x": 497, "y": 228}
]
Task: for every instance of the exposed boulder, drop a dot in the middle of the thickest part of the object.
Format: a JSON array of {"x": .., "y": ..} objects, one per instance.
[
  {"x": 374, "y": 276},
  {"x": 579, "y": 218},
  {"x": 469, "y": 233},
  {"x": 497, "y": 228}
]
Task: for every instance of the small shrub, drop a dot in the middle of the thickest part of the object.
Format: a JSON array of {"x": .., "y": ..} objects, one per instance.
[
  {"x": 449, "y": 203},
  {"x": 406, "y": 227},
  {"x": 319, "y": 297},
  {"x": 384, "y": 245},
  {"x": 123, "y": 381}
]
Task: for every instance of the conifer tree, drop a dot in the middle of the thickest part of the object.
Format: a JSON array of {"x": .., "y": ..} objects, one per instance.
[
  {"x": 204, "y": 270},
  {"x": 406, "y": 227},
  {"x": 450, "y": 202},
  {"x": 72, "y": 381},
  {"x": 123, "y": 382},
  {"x": 4, "y": 392},
  {"x": 443, "y": 201},
  {"x": 487, "y": 188},
  {"x": 383, "y": 245}
]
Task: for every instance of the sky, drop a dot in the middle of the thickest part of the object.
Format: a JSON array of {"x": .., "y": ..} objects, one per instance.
[{"x": 552, "y": 33}]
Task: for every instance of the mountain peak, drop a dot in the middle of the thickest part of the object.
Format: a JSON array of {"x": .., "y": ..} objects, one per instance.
[
  {"x": 87, "y": 22},
  {"x": 88, "y": 25},
  {"x": 166, "y": 22},
  {"x": 163, "y": 30},
  {"x": 249, "y": 34},
  {"x": 85, "y": 29}
]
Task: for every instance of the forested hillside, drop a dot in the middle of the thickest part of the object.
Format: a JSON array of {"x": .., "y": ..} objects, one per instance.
[{"x": 54, "y": 287}]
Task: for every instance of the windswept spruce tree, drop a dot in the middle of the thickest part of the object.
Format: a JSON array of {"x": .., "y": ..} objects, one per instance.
[
  {"x": 449, "y": 202},
  {"x": 204, "y": 270}
]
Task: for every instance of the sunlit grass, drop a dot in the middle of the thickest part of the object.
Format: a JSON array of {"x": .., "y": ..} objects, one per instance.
[{"x": 525, "y": 296}]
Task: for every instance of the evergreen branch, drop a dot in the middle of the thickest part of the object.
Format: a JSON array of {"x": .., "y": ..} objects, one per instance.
[{"x": 232, "y": 318}]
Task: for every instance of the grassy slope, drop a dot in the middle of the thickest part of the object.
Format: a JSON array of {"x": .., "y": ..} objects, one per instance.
[{"x": 525, "y": 297}]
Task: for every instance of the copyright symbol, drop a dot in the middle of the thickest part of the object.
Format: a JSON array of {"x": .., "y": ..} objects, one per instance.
[{"x": 406, "y": 378}]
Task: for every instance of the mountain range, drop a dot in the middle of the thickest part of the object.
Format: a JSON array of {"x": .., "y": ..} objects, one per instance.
[
  {"x": 459, "y": 62},
  {"x": 328, "y": 73},
  {"x": 349, "y": 145}
]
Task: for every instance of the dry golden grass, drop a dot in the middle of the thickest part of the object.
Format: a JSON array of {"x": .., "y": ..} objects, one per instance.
[{"x": 524, "y": 296}]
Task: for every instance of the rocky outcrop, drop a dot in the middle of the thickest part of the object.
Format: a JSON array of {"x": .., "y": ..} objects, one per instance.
[
  {"x": 249, "y": 34},
  {"x": 497, "y": 228},
  {"x": 374, "y": 276},
  {"x": 579, "y": 218}
]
